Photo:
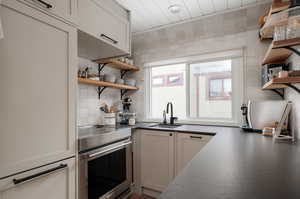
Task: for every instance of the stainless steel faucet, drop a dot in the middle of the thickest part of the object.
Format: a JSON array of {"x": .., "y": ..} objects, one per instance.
[{"x": 172, "y": 118}]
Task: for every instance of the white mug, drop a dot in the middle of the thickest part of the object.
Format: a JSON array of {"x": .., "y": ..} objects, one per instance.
[{"x": 283, "y": 74}]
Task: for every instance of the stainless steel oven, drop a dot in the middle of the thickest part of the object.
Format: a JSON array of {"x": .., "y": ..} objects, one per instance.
[{"x": 106, "y": 172}]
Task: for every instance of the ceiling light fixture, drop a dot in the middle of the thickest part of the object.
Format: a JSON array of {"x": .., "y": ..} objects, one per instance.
[{"x": 175, "y": 8}]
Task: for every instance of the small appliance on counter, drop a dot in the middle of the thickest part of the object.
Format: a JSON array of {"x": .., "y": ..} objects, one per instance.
[
  {"x": 245, "y": 124},
  {"x": 127, "y": 117},
  {"x": 260, "y": 114}
]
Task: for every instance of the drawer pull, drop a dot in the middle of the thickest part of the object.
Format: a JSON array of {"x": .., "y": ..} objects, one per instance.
[
  {"x": 108, "y": 38},
  {"x": 45, "y": 4},
  {"x": 28, "y": 178},
  {"x": 195, "y": 137}
]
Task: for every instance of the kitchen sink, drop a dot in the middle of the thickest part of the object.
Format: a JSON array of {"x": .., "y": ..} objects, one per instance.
[{"x": 170, "y": 126}]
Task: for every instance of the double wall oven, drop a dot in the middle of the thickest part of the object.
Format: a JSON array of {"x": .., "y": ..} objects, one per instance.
[{"x": 105, "y": 163}]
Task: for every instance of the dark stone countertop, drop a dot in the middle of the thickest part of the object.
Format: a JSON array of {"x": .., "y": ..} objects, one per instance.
[
  {"x": 238, "y": 165},
  {"x": 235, "y": 165}
]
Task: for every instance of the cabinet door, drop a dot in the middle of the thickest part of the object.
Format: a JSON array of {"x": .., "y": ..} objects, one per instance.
[
  {"x": 65, "y": 9},
  {"x": 58, "y": 182},
  {"x": 157, "y": 159},
  {"x": 103, "y": 24},
  {"x": 38, "y": 89},
  {"x": 187, "y": 146}
]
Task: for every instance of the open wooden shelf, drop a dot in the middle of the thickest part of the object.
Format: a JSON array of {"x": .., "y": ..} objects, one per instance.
[
  {"x": 276, "y": 53},
  {"x": 117, "y": 64},
  {"x": 279, "y": 82},
  {"x": 267, "y": 30},
  {"x": 106, "y": 84}
]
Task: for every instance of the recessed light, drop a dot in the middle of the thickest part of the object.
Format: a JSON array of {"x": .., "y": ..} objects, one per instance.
[{"x": 175, "y": 8}]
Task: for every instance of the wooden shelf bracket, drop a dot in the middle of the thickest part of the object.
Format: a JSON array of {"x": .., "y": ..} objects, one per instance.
[
  {"x": 123, "y": 92},
  {"x": 100, "y": 68},
  {"x": 292, "y": 87},
  {"x": 123, "y": 72},
  {"x": 100, "y": 90},
  {"x": 292, "y": 49},
  {"x": 280, "y": 92}
]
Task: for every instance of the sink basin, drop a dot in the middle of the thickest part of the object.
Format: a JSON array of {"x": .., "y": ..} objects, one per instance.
[{"x": 169, "y": 126}]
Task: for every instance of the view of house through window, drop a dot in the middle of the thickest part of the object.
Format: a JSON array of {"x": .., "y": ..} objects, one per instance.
[
  {"x": 198, "y": 90},
  {"x": 168, "y": 84},
  {"x": 210, "y": 90}
]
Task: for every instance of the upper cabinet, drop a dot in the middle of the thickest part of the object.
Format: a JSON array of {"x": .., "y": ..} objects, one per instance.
[
  {"x": 63, "y": 9},
  {"x": 103, "y": 25}
]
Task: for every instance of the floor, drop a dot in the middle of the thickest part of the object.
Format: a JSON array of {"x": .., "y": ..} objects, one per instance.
[{"x": 135, "y": 196}]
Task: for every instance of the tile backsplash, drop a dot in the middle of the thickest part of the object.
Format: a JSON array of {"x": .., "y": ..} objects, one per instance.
[{"x": 88, "y": 112}]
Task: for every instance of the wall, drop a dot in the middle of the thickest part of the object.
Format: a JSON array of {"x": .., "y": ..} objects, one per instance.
[
  {"x": 88, "y": 112},
  {"x": 294, "y": 97},
  {"x": 234, "y": 30}
]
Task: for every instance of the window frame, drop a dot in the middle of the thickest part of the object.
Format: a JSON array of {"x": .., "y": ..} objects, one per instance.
[{"x": 236, "y": 75}]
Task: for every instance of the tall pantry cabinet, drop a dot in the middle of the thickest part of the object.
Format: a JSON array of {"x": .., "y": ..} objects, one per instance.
[{"x": 38, "y": 65}]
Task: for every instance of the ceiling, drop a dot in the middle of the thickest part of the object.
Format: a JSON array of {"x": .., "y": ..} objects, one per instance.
[{"x": 152, "y": 14}]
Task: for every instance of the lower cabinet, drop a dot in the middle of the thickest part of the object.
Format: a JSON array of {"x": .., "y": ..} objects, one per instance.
[
  {"x": 157, "y": 159},
  {"x": 161, "y": 155},
  {"x": 52, "y": 181},
  {"x": 187, "y": 146}
]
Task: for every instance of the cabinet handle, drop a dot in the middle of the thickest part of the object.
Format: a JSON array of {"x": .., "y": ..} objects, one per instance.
[
  {"x": 45, "y": 4},
  {"x": 109, "y": 38},
  {"x": 171, "y": 134},
  {"x": 195, "y": 137},
  {"x": 28, "y": 178}
]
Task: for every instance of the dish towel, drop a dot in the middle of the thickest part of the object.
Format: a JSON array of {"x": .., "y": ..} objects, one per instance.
[{"x": 1, "y": 29}]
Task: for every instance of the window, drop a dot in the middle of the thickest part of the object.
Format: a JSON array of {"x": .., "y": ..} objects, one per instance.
[
  {"x": 200, "y": 90},
  {"x": 207, "y": 87},
  {"x": 168, "y": 85}
]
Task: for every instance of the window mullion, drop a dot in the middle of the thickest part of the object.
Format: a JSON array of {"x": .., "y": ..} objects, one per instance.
[{"x": 187, "y": 75}]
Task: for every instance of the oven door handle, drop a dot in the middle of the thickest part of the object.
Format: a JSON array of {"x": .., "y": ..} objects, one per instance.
[{"x": 110, "y": 149}]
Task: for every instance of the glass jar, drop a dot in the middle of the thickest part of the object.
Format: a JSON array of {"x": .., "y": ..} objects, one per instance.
[
  {"x": 280, "y": 33},
  {"x": 293, "y": 28}
]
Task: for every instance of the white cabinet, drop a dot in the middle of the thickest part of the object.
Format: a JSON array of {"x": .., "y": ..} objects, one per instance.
[
  {"x": 160, "y": 155},
  {"x": 187, "y": 146},
  {"x": 38, "y": 58},
  {"x": 105, "y": 22},
  {"x": 53, "y": 181},
  {"x": 63, "y": 9},
  {"x": 157, "y": 159}
]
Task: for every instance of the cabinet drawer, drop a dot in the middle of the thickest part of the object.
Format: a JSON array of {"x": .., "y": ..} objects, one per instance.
[
  {"x": 65, "y": 9},
  {"x": 53, "y": 181}
]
